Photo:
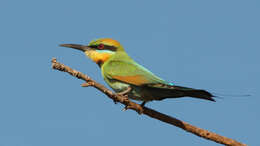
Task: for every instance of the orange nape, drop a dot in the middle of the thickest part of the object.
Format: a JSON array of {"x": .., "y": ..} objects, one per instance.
[{"x": 98, "y": 57}]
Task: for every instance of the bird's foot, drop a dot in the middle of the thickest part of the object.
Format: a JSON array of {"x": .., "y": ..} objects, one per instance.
[
  {"x": 127, "y": 106},
  {"x": 125, "y": 92},
  {"x": 115, "y": 100}
]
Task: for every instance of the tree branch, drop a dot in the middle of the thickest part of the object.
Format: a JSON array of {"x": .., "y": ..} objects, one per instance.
[{"x": 144, "y": 110}]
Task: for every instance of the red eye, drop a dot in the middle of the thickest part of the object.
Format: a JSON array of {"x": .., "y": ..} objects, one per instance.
[{"x": 101, "y": 46}]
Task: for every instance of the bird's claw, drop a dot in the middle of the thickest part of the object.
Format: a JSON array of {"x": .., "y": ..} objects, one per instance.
[{"x": 125, "y": 92}]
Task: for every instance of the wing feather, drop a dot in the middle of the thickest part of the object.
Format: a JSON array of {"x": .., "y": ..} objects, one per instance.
[{"x": 130, "y": 72}]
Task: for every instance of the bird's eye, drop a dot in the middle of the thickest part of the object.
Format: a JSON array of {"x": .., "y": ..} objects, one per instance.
[{"x": 101, "y": 46}]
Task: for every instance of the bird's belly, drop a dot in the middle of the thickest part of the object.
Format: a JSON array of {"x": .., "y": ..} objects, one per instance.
[
  {"x": 120, "y": 87},
  {"x": 117, "y": 86},
  {"x": 136, "y": 93}
]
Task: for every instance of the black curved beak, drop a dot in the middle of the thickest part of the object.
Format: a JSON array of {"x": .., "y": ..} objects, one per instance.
[{"x": 76, "y": 46}]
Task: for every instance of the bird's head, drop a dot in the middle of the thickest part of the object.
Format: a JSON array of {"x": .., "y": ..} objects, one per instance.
[{"x": 99, "y": 50}]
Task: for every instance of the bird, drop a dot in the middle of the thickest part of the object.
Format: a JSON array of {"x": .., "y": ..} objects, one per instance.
[{"x": 127, "y": 77}]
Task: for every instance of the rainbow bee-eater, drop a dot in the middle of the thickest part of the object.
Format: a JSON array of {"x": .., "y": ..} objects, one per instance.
[{"x": 125, "y": 76}]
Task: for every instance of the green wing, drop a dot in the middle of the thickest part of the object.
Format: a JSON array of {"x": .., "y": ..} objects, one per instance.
[{"x": 130, "y": 72}]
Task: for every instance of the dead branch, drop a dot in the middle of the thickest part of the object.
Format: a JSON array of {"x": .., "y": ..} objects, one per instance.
[{"x": 144, "y": 110}]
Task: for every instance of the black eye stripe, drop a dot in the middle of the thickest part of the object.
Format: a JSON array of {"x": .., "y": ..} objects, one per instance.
[
  {"x": 106, "y": 47},
  {"x": 93, "y": 46},
  {"x": 112, "y": 48}
]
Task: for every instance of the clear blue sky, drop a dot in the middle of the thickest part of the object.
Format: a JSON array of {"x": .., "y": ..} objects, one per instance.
[{"x": 212, "y": 45}]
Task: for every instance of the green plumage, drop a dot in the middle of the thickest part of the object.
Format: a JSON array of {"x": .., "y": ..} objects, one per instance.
[
  {"x": 121, "y": 73},
  {"x": 154, "y": 88}
]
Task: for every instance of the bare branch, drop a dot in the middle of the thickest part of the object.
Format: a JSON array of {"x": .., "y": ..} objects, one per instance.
[{"x": 144, "y": 110}]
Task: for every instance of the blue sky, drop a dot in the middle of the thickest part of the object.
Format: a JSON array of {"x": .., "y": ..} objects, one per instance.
[{"x": 213, "y": 45}]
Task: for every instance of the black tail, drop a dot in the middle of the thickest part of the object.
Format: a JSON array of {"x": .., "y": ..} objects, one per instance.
[
  {"x": 202, "y": 94},
  {"x": 162, "y": 91},
  {"x": 196, "y": 93}
]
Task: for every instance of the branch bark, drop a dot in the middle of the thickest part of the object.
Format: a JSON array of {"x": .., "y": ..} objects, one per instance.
[{"x": 144, "y": 110}]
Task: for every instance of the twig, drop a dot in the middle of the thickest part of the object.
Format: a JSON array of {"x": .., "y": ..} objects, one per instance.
[{"x": 144, "y": 110}]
